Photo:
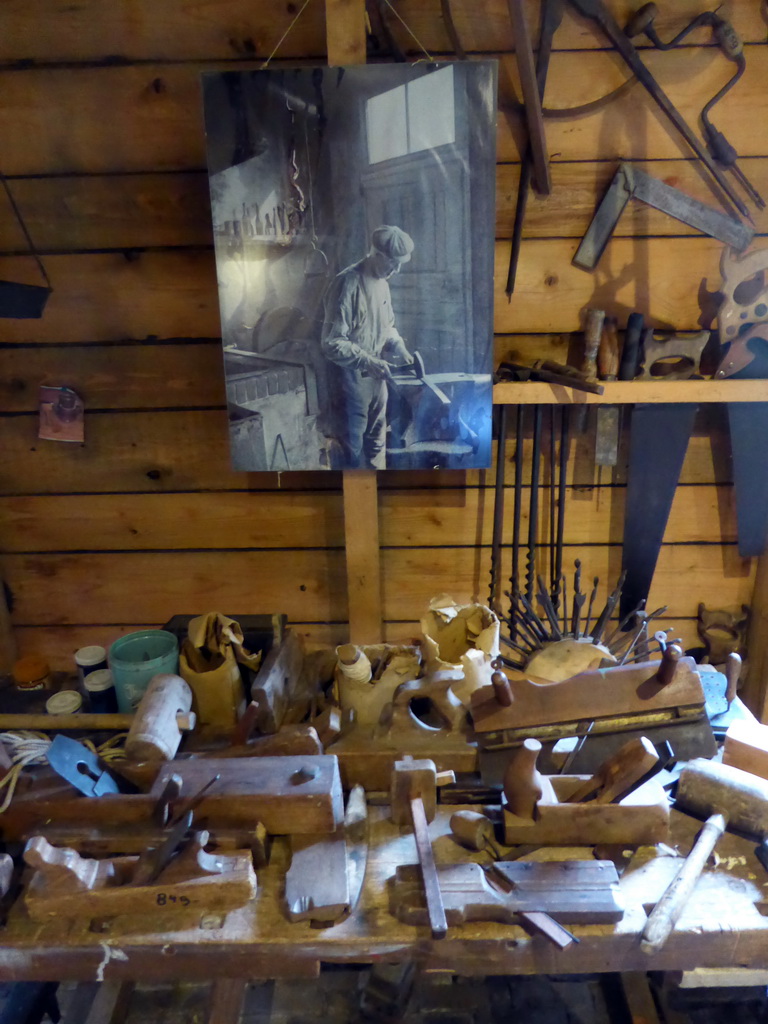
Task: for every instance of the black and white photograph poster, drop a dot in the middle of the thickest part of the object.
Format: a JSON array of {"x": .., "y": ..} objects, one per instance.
[{"x": 353, "y": 218}]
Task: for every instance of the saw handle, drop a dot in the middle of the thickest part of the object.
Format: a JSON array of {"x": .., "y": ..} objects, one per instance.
[{"x": 593, "y": 329}]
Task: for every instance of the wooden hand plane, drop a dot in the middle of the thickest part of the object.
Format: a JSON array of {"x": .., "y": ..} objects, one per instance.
[
  {"x": 68, "y": 885},
  {"x": 584, "y": 892},
  {"x": 616, "y": 699}
]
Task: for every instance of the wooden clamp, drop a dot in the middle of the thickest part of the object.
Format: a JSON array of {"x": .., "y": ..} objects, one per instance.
[
  {"x": 68, "y": 885},
  {"x": 413, "y": 800}
]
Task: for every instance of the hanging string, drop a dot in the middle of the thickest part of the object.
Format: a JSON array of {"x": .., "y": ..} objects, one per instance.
[
  {"x": 410, "y": 31},
  {"x": 280, "y": 41}
]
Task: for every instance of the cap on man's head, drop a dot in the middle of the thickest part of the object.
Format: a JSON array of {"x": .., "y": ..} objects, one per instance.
[{"x": 393, "y": 242}]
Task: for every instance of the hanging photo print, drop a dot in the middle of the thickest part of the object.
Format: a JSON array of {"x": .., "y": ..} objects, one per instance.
[{"x": 353, "y": 218}]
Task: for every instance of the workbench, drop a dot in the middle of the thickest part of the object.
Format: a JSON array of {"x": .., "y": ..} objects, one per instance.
[{"x": 720, "y": 927}]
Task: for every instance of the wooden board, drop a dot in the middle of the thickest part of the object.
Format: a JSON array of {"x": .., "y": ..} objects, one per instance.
[
  {"x": 308, "y": 585},
  {"x": 227, "y": 520},
  {"x": 187, "y": 450},
  {"x": 140, "y": 211},
  {"x": 148, "y": 115},
  {"x": 173, "y": 294},
  {"x": 183, "y": 30},
  {"x": 746, "y": 747},
  {"x": 720, "y": 926}
]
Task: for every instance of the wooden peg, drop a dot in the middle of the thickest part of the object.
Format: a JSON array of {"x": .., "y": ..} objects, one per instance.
[
  {"x": 670, "y": 658},
  {"x": 732, "y": 675},
  {"x": 501, "y": 689}
]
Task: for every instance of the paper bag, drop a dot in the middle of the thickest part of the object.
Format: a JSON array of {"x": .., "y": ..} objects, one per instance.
[{"x": 209, "y": 661}]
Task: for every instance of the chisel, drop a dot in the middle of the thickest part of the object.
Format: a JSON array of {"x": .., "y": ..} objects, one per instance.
[{"x": 607, "y": 430}]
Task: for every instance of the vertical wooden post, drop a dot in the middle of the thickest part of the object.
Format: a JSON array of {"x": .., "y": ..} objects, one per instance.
[
  {"x": 755, "y": 687},
  {"x": 345, "y": 35},
  {"x": 7, "y": 640}
]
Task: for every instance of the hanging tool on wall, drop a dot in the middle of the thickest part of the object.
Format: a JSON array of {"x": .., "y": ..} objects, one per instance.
[
  {"x": 551, "y": 16},
  {"x": 743, "y": 328},
  {"x": 498, "y": 508},
  {"x": 658, "y": 443},
  {"x": 732, "y": 48},
  {"x": 629, "y": 182},
  {"x": 597, "y": 11},
  {"x": 607, "y": 429}
]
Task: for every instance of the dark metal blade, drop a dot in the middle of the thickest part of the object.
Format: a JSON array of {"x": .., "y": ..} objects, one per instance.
[{"x": 659, "y": 437}]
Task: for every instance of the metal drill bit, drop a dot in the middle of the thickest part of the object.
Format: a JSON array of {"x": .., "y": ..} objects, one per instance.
[
  {"x": 608, "y": 610},
  {"x": 592, "y": 596},
  {"x": 549, "y": 610}
]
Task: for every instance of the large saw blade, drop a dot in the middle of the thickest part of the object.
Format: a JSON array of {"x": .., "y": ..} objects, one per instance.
[{"x": 658, "y": 442}]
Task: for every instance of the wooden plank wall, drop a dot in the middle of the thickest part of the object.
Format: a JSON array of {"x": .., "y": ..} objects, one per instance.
[{"x": 102, "y": 139}]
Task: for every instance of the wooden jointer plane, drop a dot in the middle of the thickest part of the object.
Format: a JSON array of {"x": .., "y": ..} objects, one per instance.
[{"x": 617, "y": 699}]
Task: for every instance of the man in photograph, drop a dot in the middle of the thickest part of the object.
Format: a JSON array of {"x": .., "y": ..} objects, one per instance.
[{"x": 363, "y": 345}]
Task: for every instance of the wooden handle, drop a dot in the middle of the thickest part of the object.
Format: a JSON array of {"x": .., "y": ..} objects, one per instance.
[
  {"x": 154, "y": 734},
  {"x": 472, "y": 829},
  {"x": 662, "y": 921},
  {"x": 522, "y": 781},
  {"x": 83, "y": 722},
  {"x": 608, "y": 353},
  {"x": 732, "y": 674},
  {"x": 593, "y": 330}
]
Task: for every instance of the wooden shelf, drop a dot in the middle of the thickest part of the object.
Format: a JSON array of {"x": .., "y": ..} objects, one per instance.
[{"x": 628, "y": 392}]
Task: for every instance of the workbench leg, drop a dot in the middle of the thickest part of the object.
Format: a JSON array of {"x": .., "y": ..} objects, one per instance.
[
  {"x": 639, "y": 999},
  {"x": 110, "y": 1004},
  {"x": 226, "y": 1005}
]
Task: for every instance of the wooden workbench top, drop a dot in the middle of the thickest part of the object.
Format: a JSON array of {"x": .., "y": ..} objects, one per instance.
[{"x": 720, "y": 927}]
